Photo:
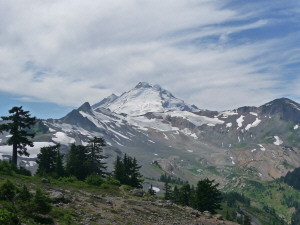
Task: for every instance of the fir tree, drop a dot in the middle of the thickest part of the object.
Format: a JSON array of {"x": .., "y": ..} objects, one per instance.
[
  {"x": 59, "y": 167},
  {"x": 77, "y": 162},
  {"x": 47, "y": 160},
  {"x": 175, "y": 195},
  {"x": 151, "y": 191},
  {"x": 95, "y": 156},
  {"x": 184, "y": 195},
  {"x": 17, "y": 125},
  {"x": 135, "y": 176},
  {"x": 119, "y": 170},
  {"x": 208, "y": 197},
  {"x": 168, "y": 192}
]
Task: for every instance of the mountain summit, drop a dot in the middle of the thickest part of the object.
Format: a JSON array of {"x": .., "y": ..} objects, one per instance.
[{"x": 144, "y": 98}]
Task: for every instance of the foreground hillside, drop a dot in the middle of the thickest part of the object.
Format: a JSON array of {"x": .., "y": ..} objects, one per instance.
[{"x": 75, "y": 202}]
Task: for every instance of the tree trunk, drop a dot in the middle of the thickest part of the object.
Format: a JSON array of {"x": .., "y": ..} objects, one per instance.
[{"x": 14, "y": 155}]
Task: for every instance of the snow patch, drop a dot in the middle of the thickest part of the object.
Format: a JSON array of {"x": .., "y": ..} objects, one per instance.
[
  {"x": 165, "y": 136},
  {"x": 8, "y": 136},
  {"x": 151, "y": 141},
  {"x": 240, "y": 121},
  {"x": 262, "y": 147},
  {"x": 254, "y": 124},
  {"x": 278, "y": 141},
  {"x": 63, "y": 138},
  {"x": 229, "y": 125},
  {"x": 233, "y": 163},
  {"x": 253, "y": 150},
  {"x": 190, "y": 150},
  {"x": 253, "y": 113},
  {"x": 33, "y": 151},
  {"x": 296, "y": 127},
  {"x": 156, "y": 189}
]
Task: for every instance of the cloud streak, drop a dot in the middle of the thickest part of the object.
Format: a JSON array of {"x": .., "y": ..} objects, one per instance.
[{"x": 205, "y": 52}]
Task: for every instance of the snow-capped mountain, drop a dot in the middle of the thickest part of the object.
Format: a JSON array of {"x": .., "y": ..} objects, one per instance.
[
  {"x": 151, "y": 124},
  {"x": 142, "y": 99}
]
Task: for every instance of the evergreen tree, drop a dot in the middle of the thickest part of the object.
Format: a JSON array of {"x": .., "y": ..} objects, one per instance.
[
  {"x": 119, "y": 170},
  {"x": 41, "y": 203},
  {"x": 296, "y": 217},
  {"x": 168, "y": 192},
  {"x": 151, "y": 191},
  {"x": 59, "y": 167},
  {"x": 17, "y": 125},
  {"x": 127, "y": 171},
  {"x": 184, "y": 195},
  {"x": 95, "y": 156},
  {"x": 47, "y": 160},
  {"x": 208, "y": 197},
  {"x": 135, "y": 176},
  {"x": 247, "y": 220},
  {"x": 77, "y": 162},
  {"x": 175, "y": 195}
]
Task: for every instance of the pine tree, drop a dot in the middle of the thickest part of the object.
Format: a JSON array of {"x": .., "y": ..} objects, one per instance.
[
  {"x": 17, "y": 125},
  {"x": 151, "y": 191},
  {"x": 168, "y": 192},
  {"x": 208, "y": 197},
  {"x": 119, "y": 171},
  {"x": 77, "y": 162},
  {"x": 95, "y": 156},
  {"x": 135, "y": 179},
  {"x": 184, "y": 195},
  {"x": 175, "y": 195},
  {"x": 59, "y": 167},
  {"x": 47, "y": 160}
]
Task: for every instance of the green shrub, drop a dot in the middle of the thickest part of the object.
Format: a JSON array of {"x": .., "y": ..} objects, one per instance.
[
  {"x": 70, "y": 179},
  {"x": 105, "y": 186},
  {"x": 41, "y": 203},
  {"x": 113, "y": 182},
  {"x": 94, "y": 179},
  {"x": 7, "y": 190},
  {"x": 23, "y": 171},
  {"x": 6, "y": 168},
  {"x": 8, "y": 218}
]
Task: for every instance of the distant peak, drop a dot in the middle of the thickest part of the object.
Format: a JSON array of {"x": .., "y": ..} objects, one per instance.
[
  {"x": 143, "y": 85},
  {"x": 86, "y": 107}
]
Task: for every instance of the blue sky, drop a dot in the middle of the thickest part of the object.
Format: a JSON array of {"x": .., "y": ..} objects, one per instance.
[{"x": 217, "y": 54}]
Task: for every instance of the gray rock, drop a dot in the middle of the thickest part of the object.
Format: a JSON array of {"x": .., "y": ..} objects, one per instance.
[
  {"x": 137, "y": 192},
  {"x": 58, "y": 196},
  {"x": 218, "y": 217},
  {"x": 207, "y": 214},
  {"x": 45, "y": 181},
  {"x": 195, "y": 213}
]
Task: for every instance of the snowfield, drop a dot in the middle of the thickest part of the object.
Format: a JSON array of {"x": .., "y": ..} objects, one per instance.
[{"x": 33, "y": 151}]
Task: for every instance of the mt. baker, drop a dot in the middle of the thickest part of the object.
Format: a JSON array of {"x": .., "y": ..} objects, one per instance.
[{"x": 166, "y": 134}]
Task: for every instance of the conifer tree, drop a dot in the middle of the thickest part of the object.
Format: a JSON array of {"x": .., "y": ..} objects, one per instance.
[
  {"x": 18, "y": 124},
  {"x": 119, "y": 170},
  {"x": 184, "y": 195},
  {"x": 95, "y": 156},
  {"x": 135, "y": 176},
  {"x": 175, "y": 195},
  {"x": 59, "y": 167},
  {"x": 168, "y": 192},
  {"x": 151, "y": 191},
  {"x": 47, "y": 160},
  {"x": 208, "y": 197},
  {"x": 77, "y": 162}
]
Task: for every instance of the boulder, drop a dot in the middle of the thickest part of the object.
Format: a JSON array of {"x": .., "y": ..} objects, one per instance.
[
  {"x": 207, "y": 214},
  {"x": 58, "y": 196},
  {"x": 45, "y": 181},
  {"x": 137, "y": 192},
  {"x": 218, "y": 217}
]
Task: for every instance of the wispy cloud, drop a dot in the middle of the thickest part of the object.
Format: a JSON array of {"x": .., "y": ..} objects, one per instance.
[{"x": 215, "y": 54}]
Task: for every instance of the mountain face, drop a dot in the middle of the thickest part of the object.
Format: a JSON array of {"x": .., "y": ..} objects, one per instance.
[{"x": 166, "y": 134}]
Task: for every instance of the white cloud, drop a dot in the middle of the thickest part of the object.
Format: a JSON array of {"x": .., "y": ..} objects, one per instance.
[{"x": 68, "y": 52}]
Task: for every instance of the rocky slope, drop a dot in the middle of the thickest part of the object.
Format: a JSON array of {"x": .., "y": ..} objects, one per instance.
[{"x": 167, "y": 134}]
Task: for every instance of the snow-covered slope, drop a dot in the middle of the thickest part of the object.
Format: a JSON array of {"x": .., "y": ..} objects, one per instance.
[{"x": 142, "y": 99}]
